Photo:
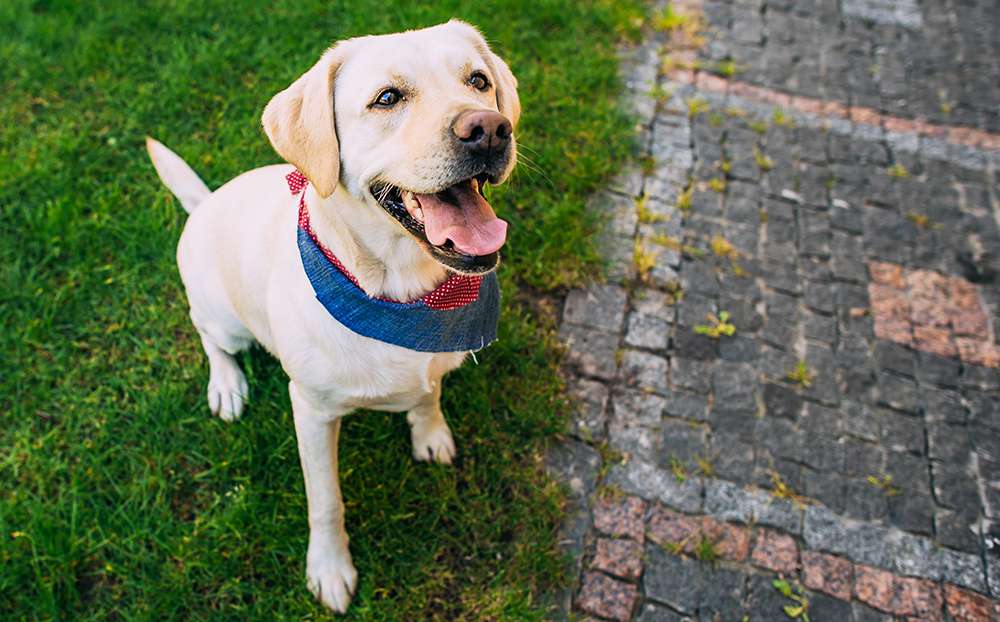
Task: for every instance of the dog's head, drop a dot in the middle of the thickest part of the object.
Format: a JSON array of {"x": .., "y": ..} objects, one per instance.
[{"x": 414, "y": 124}]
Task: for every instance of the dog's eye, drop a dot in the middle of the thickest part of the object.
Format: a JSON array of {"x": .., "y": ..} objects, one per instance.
[
  {"x": 388, "y": 98},
  {"x": 479, "y": 81}
]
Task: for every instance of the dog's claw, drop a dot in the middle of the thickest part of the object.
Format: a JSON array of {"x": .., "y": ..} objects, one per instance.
[
  {"x": 433, "y": 444},
  {"x": 227, "y": 392},
  {"x": 332, "y": 579}
]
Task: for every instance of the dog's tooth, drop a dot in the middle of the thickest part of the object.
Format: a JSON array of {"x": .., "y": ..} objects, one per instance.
[
  {"x": 413, "y": 206},
  {"x": 475, "y": 185}
]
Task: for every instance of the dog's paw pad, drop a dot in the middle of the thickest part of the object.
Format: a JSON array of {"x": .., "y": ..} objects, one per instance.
[
  {"x": 332, "y": 580},
  {"x": 434, "y": 444}
]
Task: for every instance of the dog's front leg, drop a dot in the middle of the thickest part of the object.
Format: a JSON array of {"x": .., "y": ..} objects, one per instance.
[{"x": 330, "y": 574}]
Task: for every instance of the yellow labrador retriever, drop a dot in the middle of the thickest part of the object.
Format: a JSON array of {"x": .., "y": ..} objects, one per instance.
[{"x": 365, "y": 266}]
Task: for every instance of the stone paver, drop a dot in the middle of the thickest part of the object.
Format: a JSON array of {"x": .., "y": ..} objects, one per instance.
[
  {"x": 793, "y": 368},
  {"x": 775, "y": 551}
]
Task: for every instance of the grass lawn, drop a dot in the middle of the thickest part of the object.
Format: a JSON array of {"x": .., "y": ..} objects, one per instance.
[{"x": 120, "y": 496}]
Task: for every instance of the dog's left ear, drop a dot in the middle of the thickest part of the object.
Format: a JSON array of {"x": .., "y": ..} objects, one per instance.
[
  {"x": 300, "y": 125},
  {"x": 508, "y": 102}
]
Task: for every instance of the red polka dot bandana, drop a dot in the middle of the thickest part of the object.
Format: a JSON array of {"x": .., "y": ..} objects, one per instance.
[{"x": 461, "y": 314}]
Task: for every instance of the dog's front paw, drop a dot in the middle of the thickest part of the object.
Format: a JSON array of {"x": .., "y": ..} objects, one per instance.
[
  {"x": 433, "y": 443},
  {"x": 331, "y": 578},
  {"x": 227, "y": 392}
]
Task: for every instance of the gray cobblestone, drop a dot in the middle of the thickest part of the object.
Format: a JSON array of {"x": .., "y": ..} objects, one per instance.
[
  {"x": 591, "y": 352},
  {"x": 645, "y": 331},
  {"x": 601, "y": 307},
  {"x": 961, "y": 569},
  {"x": 672, "y": 580},
  {"x": 644, "y": 370},
  {"x": 690, "y": 374},
  {"x": 799, "y": 285},
  {"x": 590, "y": 415},
  {"x": 731, "y": 502},
  {"x": 654, "y": 613},
  {"x": 652, "y": 483}
]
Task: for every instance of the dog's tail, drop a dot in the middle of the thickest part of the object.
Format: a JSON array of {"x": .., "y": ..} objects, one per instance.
[{"x": 176, "y": 175}]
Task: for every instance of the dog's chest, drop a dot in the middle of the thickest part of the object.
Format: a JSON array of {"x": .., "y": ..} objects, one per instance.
[{"x": 357, "y": 372}]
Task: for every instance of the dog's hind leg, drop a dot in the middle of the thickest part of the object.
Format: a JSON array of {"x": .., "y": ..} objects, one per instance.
[{"x": 429, "y": 432}]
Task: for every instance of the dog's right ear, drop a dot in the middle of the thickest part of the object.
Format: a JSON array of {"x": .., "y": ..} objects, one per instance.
[{"x": 300, "y": 125}]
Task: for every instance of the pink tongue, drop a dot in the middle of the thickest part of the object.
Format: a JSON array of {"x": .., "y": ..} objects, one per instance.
[{"x": 462, "y": 215}]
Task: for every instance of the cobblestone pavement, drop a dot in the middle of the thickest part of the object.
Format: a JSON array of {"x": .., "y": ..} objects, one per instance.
[{"x": 791, "y": 372}]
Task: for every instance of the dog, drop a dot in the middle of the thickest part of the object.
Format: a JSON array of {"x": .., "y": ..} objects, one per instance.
[{"x": 367, "y": 264}]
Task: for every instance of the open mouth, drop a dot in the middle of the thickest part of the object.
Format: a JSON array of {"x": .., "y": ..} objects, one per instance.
[{"x": 456, "y": 225}]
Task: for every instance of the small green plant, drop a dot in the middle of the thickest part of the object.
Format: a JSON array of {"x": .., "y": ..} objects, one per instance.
[
  {"x": 722, "y": 247},
  {"x": 674, "y": 548},
  {"x": 780, "y": 118},
  {"x": 801, "y": 374},
  {"x": 684, "y": 199},
  {"x": 643, "y": 259},
  {"x": 648, "y": 164},
  {"x": 676, "y": 245},
  {"x": 670, "y": 19},
  {"x": 763, "y": 215},
  {"x": 696, "y": 106},
  {"x": 706, "y": 550},
  {"x": 719, "y": 327},
  {"x": 609, "y": 457},
  {"x": 610, "y": 492},
  {"x": 717, "y": 184},
  {"x": 645, "y": 215},
  {"x": 799, "y": 608},
  {"x": 678, "y": 470},
  {"x": 725, "y": 165},
  {"x": 705, "y": 466},
  {"x": 735, "y": 112},
  {"x": 684, "y": 28},
  {"x": 764, "y": 163},
  {"x": 884, "y": 483},
  {"x": 675, "y": 291},
  {"x": 782, "y": 490},
  {"x": 716, "y": 120},
  {"x": 661, "y": 93},
  {"x": 920, "y": 220},
  {"x": 898, "y": 171},
  {"x": 946, "y": 106},
  {"x": 726, "y": 68},
  {"x": 759, "y": 126},
  {"x": 672, "y": 63}
]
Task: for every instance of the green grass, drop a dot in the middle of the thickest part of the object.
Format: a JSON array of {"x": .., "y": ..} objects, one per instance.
[{"x": 120, "y": 496}]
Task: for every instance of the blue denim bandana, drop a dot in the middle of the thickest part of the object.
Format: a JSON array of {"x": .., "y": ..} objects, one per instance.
[{"x": 460, "y": 315}]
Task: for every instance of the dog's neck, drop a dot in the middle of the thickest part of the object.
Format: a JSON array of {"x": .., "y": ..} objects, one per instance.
[{"x": 386, "y": 261}]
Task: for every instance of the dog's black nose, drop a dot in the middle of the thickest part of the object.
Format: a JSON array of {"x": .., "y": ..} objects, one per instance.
[{"x": 482, "y": 130}]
